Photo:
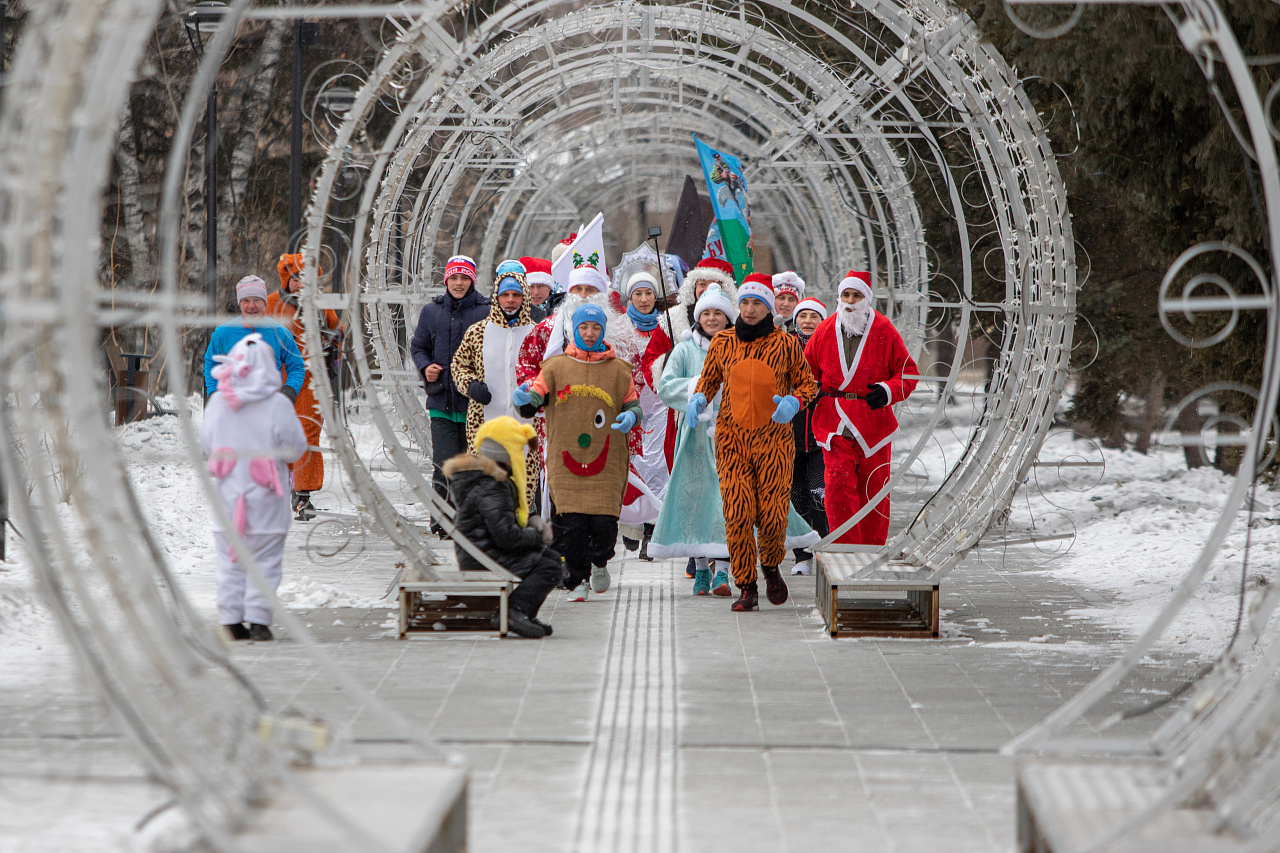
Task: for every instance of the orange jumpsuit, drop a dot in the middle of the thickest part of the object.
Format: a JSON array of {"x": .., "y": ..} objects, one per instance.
[
  {"x": 308, "y": 472},
  {"x": 754, "y": 455}
]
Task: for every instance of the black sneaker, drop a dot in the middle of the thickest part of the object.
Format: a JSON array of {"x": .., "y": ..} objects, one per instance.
[
  {"x": 520, "y": 625},
  {"x": 260, "y": 633},
  {"x": 543, "y": 625},
  {"x": 630, "y": 544},
  {"x": 237, "y": 631}
]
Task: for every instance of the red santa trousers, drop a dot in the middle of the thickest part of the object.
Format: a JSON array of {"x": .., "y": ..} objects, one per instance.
[{"x": 851, "y": 479}]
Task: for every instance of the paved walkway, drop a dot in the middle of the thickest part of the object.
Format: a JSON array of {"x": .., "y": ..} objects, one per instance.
[{"x": 653, "y": 720}]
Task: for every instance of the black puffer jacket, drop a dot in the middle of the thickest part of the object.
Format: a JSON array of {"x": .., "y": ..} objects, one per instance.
[{"x": 485, "y": 499}]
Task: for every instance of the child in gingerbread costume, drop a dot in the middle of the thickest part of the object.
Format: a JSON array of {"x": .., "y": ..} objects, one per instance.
[
  {"x": 590, "y": 397},
  {"x": 766, "y": 382}
]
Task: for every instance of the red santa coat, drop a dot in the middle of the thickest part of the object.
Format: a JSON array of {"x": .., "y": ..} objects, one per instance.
[{"x": 881, "y": 359}]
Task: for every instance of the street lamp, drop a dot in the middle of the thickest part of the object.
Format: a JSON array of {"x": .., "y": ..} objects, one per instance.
[{"x": 203, "y": 19}]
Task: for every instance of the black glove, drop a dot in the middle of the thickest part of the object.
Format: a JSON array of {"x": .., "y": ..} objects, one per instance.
[
  {"x": 877, "y": 397},
  {"x": 479, "y": 392},
  {"x": 290, "y": 393}
]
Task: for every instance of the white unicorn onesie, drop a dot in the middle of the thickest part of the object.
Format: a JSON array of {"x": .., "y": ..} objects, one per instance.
[{"x": 249, "y": 432}]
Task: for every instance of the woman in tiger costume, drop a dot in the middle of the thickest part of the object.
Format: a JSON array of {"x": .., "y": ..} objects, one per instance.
[{"x": 766, "y": 381}]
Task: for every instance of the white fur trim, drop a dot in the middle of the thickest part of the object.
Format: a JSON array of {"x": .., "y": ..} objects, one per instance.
[
  {"x": 589, "y": 276},
  {"x": 539, "y": 278},
  {"x": 811, "y": 305},
  {"x": 854, "y": 283}
]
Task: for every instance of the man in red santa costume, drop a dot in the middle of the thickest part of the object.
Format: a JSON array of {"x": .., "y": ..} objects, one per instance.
[{"x": 860, "y": 364}]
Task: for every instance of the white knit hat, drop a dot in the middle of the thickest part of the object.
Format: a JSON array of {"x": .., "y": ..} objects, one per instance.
[
  {"x": 251, "y": 285},
  {"x": 811, "y": 304},
  {"x": 641, "y": 279},
  {"x": 714, "y": 297},
  {"x": 788, "y": 280},
  {"x": 859, "y": 281}
]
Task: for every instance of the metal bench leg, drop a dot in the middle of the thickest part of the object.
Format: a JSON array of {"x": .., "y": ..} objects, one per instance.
[{"x": 502, "y": 611}]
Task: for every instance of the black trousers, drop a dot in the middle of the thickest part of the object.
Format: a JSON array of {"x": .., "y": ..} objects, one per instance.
[
  {"x": 585, "y": 541},
  {"x": 448, "y": 439},
  {"x": 806, "y": 494},
  {"x": 536, "y": 584}
]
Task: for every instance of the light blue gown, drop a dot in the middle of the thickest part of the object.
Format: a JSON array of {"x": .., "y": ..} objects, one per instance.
[{"x": 691, "y": 523}]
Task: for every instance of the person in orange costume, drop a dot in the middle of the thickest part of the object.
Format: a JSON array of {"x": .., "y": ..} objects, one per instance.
[
  {"x": 308, "y": 472},
  {"x": 766, "y": 382}
]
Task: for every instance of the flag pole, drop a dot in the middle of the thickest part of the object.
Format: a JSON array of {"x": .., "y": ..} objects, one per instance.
[{"x": 654, "y": 233}]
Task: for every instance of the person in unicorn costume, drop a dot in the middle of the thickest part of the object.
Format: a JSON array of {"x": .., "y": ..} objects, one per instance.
[{"x": 250, "y": 433}]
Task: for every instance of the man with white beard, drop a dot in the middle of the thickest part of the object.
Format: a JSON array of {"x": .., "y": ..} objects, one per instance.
[{"x": 861, "y": 366}]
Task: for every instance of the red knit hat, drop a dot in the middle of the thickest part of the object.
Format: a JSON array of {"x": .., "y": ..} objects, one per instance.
[{"x": 460, "y": 264}]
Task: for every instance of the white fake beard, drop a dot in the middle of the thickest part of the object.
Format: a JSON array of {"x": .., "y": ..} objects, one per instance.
[
  {"x": 855, "y": 319},
  {"x": 622, "y": 336}
]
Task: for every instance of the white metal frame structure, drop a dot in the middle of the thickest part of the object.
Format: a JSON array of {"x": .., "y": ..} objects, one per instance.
[{"x": 502, "y": 131}]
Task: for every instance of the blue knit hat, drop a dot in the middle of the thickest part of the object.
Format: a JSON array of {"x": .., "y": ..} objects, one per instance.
[
  {"x": 589, "y": 313},
  {"x": 506, "y": 273}
]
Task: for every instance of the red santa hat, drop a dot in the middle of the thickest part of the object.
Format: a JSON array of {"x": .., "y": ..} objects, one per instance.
[
  {"x": 713, "y": 270},
  {"x": 859, "y": 281},
  {"x": 811, "y": 304},
  {"x": 562, "y": 247},
  {"x": 537, "y": 271},
  {"x": 789, "y": 282},
  {"x": 758, "y": 286}
]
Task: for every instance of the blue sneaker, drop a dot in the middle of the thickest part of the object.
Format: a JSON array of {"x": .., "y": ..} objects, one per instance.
[
  {"x": 702, "y": 582},
  {"x": 720, "y": 584}
]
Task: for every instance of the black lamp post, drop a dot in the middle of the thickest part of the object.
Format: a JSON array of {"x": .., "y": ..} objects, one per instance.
[
  {"x": 304, "y": 36},
  {"x": 200, "y": 21}
]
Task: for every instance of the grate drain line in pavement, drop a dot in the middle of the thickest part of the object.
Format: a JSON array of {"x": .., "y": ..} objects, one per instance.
[{"x": 628, "y": 805}]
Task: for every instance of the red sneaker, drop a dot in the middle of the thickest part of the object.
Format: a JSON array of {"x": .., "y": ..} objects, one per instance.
[
  {"x": 749, "y": 600},
  {"x": 775, "y": 586}
]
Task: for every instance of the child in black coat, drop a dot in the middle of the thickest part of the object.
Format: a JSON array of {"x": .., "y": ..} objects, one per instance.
[{"x": 492, "y": 513}]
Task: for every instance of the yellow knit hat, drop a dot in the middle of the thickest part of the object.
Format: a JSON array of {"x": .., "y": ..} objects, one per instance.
[{"x": 513, "y": 436}]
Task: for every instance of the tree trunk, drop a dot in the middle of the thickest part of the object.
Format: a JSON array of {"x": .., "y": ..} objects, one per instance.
[
  {"x": 1151, "y": 412},
  {"x": 130, "y": 182},
  {"x": 252, "y": 113},
  {"x": 1189, "y": 422}
]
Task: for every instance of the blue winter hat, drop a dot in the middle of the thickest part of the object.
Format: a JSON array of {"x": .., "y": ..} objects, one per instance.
[
  {"x": 589, "y": 313},
  {"x": 506, "y": 274}
]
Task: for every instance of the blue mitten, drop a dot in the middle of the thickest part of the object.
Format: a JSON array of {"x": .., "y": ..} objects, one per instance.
[
  {"x": 697, "y": 403},
  {"x": 624, "y": 421},
  {"x": 520, "y": 396},
  {"x": 788, "y": 406}
]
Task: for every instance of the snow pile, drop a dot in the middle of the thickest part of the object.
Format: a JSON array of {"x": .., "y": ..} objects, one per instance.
[
  {"x": 1138, "y": 530},
  {"x": 302, "y": 593}
]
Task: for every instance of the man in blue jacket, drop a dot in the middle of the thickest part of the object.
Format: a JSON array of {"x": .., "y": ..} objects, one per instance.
[
  {"x": 251, "y": 294},
  {"x": 441, "y": 325}
]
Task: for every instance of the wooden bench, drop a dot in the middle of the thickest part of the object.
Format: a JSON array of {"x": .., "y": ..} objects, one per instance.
[
  {"x": 453, "y": 605},
  {"x": 883, "y": 603}
]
